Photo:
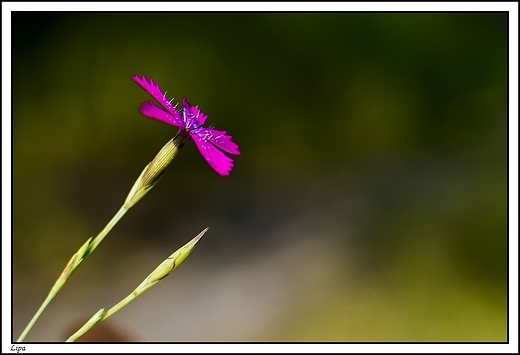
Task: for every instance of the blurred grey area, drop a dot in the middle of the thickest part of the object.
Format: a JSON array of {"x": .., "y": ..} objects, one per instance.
[{"x": 369, "y": 202}]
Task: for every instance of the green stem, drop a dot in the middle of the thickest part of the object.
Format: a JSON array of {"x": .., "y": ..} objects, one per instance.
[
  {"x": 101, "y": 316},
  {"x": 155, "y": 276},
  {"x": 95, "y": 319},
  {"x": 72, "y": 265},
  {"x": 35, "y": 317},
  {"x": 108, "y": 228},
  {"x": 146, "y": 181}
]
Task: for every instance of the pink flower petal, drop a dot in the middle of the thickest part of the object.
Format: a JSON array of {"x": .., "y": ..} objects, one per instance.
[
  {"x": 148, "y": 109},
  {"x": 191, "y": 119},
  {"x": 221, "y": 140},
  {"x": 155, "y": 91},
  {"x": 221, "y": 163}
]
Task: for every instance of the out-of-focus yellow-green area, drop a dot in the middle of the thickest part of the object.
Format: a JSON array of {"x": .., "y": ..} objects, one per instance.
[{"x": 369, "y": 202}]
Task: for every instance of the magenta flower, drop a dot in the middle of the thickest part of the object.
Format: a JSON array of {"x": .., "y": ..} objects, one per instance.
[{"x": 190, "y": 119}]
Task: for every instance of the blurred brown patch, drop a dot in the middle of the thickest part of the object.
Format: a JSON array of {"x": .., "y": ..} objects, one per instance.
[{"x": 104, "y": 332}]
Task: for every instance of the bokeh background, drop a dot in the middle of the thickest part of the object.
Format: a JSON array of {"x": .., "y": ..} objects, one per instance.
[{"x": 369, "y": 202}]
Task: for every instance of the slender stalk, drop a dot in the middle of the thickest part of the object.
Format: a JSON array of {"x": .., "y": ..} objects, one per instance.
[
  {"x": 149, "y": 177},
  {"x": 35, "y": 317},
  {"x": 95, "y": 319},
  {"x": 122, "y": 211},
  {"x": 72, "y": 265},
  {"x": 100, "y": 316},
  {"x": 160, "y": 272}
]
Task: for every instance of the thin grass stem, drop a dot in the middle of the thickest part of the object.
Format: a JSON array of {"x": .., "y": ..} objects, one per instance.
[
  {"x": 160, "y": 272},
  {"x": 149, "y": 177},
  {"x": 72, "y": 265}
]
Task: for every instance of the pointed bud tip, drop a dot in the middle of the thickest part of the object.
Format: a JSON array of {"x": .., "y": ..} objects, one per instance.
[{"x": 200, "y": 235}]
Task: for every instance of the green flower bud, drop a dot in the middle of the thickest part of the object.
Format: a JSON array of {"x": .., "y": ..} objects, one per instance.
[{"x": 153, "y": 172}]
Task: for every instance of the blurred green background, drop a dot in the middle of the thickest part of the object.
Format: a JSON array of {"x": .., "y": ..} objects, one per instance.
[{"x": 369, "y": 202}]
